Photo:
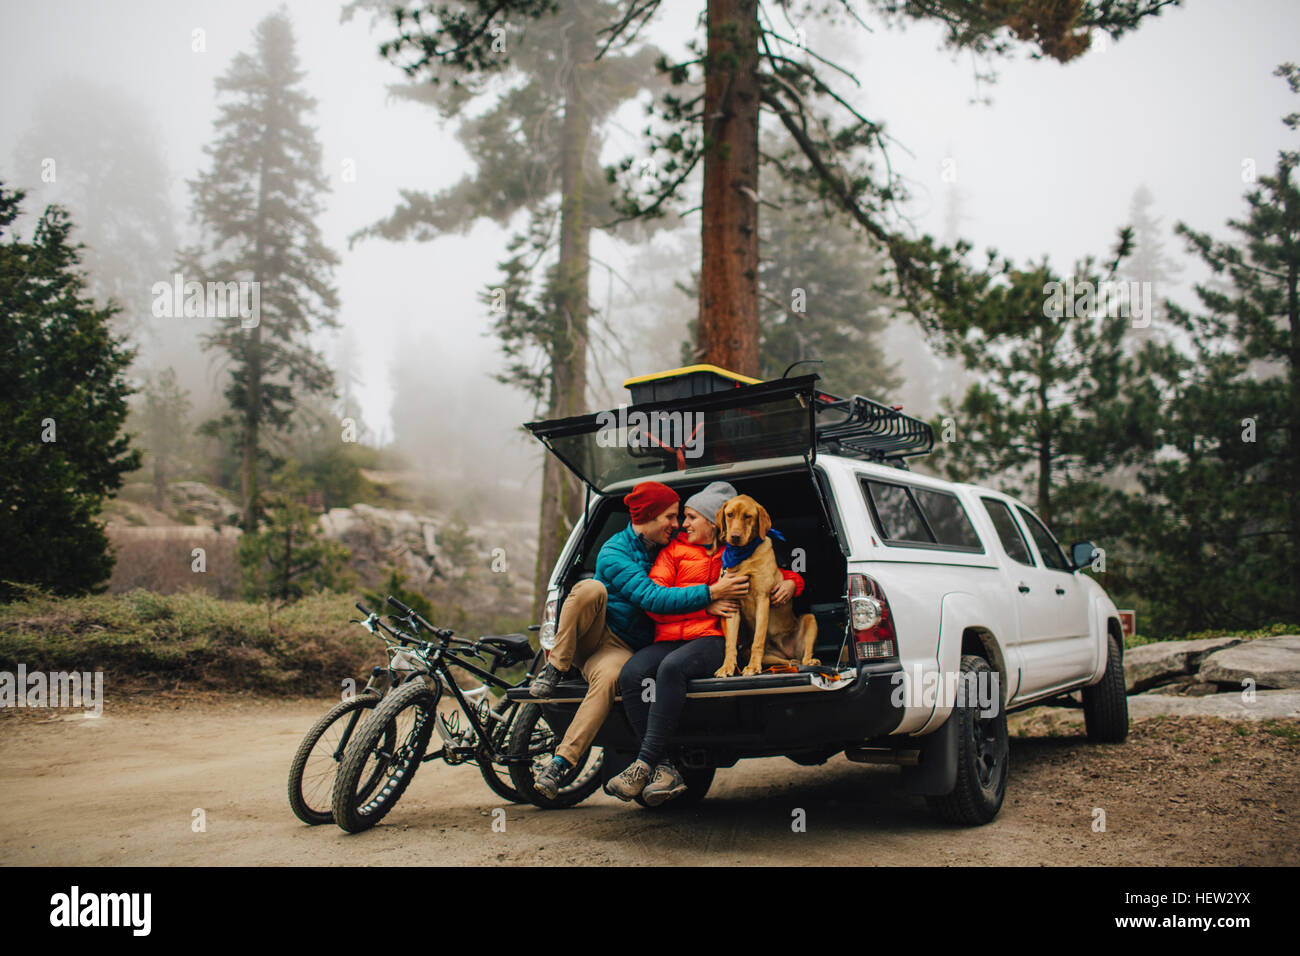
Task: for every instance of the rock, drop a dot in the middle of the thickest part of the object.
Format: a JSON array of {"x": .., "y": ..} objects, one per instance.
[
  {"x": 1271, "y": 661},
  {"x": 1267, "y": 704},
  {"x": 1152, "y": 664},
  {"x": 378, "y": 536},
  {"x": 1185, "y": 687},
  {"x": 202, "y": 502}
]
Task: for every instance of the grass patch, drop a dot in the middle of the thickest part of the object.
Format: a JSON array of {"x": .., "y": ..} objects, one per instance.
[
  {"x": 1287, "y": 730},
  {"x": 141, "y": 639}
]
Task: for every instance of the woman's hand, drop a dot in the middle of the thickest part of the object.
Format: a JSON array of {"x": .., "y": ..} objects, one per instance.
[
  {"x": 723, "y": 608},
  {"x": 782, "y": 593}
]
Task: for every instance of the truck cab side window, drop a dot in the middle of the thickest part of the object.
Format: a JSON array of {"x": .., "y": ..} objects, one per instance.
[
  {"x": 1013, "y": 542},
  {"x": 1047, "y": 546}
]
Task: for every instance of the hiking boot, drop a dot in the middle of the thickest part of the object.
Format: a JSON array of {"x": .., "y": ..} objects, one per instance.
[
  {"x": 543, "y": 685},
  {"x": 630, "y": 782},
  {"x": 547, "y": 783},
  {"x": 667, "y": 783}
]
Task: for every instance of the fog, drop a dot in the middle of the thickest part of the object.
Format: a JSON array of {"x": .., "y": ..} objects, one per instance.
[{"x": 120, "y": 96}]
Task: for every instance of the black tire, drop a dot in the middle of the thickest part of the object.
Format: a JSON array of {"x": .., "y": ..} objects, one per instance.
[
  {"x": 318, "y": 758},
  {"x": 532, "y": 737},
  {"x": 406, "y": 716},
  {"x": 698, "y": 781},
  {"x": 498, "y": 776},
  {"x": 1105, "y": 704},
  {"x": 983, "y": 752}
]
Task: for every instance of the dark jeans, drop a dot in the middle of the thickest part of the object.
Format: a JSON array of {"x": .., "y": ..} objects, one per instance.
[{"x": 671, "y": 664}]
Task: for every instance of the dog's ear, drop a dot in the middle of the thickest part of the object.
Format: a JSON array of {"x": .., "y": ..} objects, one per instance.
[
  {"x": 764, "y": 523},
  {"x": 720, "y": 519}
]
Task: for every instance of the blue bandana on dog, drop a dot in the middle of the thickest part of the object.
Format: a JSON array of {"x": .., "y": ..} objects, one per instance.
[{"x": 733, "y": 554}]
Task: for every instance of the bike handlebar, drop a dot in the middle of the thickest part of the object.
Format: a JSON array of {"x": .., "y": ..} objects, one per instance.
[{"x": 442, "y": 632}]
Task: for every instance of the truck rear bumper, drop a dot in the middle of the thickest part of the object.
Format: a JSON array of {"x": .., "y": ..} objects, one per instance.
[{"x": 766, "y": 715}]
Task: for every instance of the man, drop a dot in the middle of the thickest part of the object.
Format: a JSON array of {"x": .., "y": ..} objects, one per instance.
[{"x": 603, "y": 620}]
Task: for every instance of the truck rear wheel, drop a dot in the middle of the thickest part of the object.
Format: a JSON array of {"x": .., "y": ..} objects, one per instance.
[
  {"x": 1105, "y": 704},
  {"x": 983, "y": 751}
]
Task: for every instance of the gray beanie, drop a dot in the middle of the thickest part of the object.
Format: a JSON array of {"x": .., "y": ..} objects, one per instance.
[{"x": 708, "y": 501}]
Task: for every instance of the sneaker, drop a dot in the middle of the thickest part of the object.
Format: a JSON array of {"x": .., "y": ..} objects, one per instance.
[
  {"x": 630, "y": 782},
  {"x": 543, "y": 685},
  {"x": 547, "y": 783},
  {"x": 667, "y": 783}
]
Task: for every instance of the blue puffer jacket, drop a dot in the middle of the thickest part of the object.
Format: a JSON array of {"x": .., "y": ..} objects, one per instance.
[{"x": 623, "y": 566}]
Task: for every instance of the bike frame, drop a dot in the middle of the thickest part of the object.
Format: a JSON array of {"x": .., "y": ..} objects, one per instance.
[{"x": 438, "y": 658}]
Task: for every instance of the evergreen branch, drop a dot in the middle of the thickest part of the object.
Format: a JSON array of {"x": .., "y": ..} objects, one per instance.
[{"x": 642, "y": 9}]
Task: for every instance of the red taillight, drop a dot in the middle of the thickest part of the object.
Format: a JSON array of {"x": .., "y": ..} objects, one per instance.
[{"x": 870, "y": 620}]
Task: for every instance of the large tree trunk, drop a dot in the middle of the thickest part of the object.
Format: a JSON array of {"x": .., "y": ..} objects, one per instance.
[
  {"x": 253, "y": 396},
  {"x": 562, "y": 495},
  {"x": 1293, "y": 426},
  {"x": 728, "y": 335},
  {"x": 252, "y": 426}
]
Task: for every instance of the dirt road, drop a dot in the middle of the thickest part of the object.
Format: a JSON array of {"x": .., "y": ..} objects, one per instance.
[{"x": 123, "y": 789}]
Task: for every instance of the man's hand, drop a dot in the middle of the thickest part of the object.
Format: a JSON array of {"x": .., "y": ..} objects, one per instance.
[
  {"x": 729, "y": 587},
  {"x": 723, "y": 608},
  {"x": 783, "y": 592}
]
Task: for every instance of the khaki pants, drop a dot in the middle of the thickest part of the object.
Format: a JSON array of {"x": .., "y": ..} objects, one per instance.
[{"x": 582, "y": 638}]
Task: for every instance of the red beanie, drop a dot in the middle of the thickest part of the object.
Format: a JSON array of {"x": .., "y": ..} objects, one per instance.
[{"x": 649, "y": 500}]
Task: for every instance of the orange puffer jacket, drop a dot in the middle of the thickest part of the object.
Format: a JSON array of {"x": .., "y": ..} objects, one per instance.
[{"x": 681, "y": 564}]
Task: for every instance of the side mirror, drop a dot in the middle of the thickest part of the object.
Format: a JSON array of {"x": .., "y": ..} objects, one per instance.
[{"x": 1082, "y": 553}]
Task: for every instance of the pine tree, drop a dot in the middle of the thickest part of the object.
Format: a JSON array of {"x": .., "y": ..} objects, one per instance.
[
  {"x": 536, "y": 150},
  {"x": 289, "y": 556},
  {"x": 163, "y": 416},
  {"x": 747, "y": 64},
  {"x": 1217, "y": 526},
  {"x": 257, "y": 207},
  {"x": 63, "y": 394},
  {"x": 1046, "y": 411},
  {"x": 820, "y": 299},
  {"x": 98, "y": 156},
  {"x": 1149, "y": 263}
]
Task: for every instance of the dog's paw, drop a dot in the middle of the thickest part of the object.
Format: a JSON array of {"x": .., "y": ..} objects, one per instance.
[
  {"x": 751, "y": 670},
  {"x": 726, "y": 670},
  {"x": 812, "y": 660}
]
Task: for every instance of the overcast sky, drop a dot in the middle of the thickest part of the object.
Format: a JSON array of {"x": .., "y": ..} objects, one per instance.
[{"x": 1048, "y": 168}]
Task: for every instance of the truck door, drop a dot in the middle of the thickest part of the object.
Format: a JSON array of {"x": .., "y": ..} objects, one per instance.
[{"x": 1058, "y": 648}]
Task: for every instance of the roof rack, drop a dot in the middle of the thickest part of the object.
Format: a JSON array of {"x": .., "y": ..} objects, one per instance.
[{"x": 870, "y": 430}]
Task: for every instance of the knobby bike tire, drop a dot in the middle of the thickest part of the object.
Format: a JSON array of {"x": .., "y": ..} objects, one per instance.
[
  {"x": 310, "y": 790},
  {"x": 354, "y": 810},
  {"x": 531, "y": 736}
]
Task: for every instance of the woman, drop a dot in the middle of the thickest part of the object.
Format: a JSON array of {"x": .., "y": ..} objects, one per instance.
[{"x": 686, "y": 646}]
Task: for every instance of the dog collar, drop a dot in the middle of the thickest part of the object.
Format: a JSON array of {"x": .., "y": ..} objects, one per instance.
[{"x": 733, "y": 554}]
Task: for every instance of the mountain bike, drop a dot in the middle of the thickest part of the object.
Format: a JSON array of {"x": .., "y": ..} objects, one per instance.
[{"x": 374, "y": 763}]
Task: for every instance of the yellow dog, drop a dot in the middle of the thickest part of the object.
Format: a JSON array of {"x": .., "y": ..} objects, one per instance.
[{"x": 778, "y": 637}]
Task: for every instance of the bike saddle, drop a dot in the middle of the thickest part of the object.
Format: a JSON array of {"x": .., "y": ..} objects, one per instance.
[{"x": 516, "y": 645}]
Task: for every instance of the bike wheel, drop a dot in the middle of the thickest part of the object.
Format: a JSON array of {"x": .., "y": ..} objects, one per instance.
[
  {"x": 532, "y": 737},
  {"x": 316, "y": 762},
  {"x": 404, "y": 717},
  {"x": 497, "y": 775}
]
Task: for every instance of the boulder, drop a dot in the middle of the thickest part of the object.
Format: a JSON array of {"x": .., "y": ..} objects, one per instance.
[
  {"x": 379, "y": 536},
  {"x": 201, "y": 502},
  {"x": 1267, "y": 704},
  {"x": 1163, "y": 662},
  {"x": 1272, "y": 662}
]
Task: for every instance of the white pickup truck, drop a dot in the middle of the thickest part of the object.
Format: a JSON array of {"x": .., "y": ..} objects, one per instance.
[{"x": 940, "y": 606}]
